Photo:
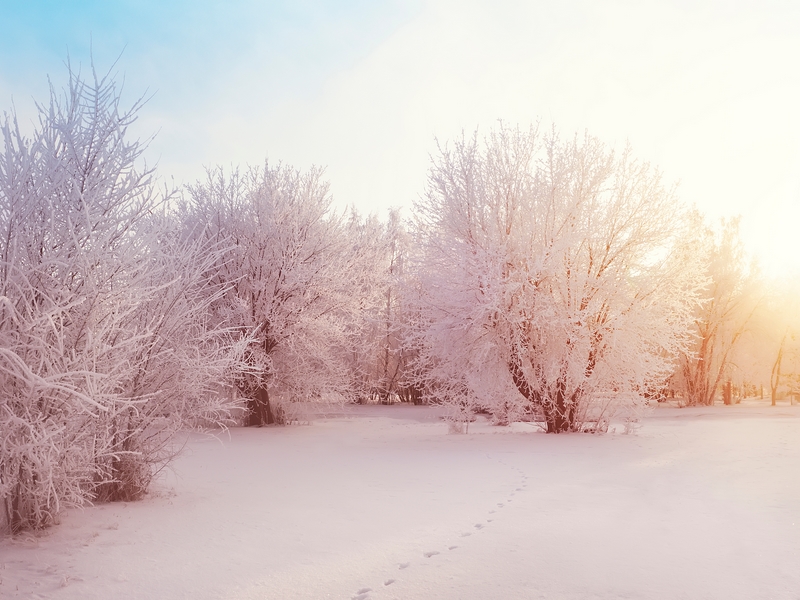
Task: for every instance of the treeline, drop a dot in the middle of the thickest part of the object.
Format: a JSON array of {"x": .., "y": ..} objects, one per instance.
[{"x": 539, "y": 277}]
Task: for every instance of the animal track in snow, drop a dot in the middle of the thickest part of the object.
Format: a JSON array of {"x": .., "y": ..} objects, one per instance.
[{"x": 364, "y": 593}]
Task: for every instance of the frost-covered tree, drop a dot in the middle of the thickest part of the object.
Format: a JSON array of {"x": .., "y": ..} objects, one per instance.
[
  {"x": 552, "y": 279},
  {"x": 381, "y": 356},
  {"x": 731, "y": 296},
  {"x": 301, "y": 277},
  {"x": 397, "y": 352},
  {"x": 103, "y": 351}
]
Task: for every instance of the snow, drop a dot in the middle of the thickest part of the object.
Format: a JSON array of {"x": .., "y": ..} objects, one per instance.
[{"x": 380, "y": 502}]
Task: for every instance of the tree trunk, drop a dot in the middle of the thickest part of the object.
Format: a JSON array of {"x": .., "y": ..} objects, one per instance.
[
  {"x": 260, "y": 410},
  {"x": 560, "y": 415},
  {"x": 775, "y": 376},
  {"x": 727, "y": 397}
]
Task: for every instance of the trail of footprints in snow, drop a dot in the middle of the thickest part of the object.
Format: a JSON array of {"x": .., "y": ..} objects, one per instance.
[{"x": 363, "y": 593}]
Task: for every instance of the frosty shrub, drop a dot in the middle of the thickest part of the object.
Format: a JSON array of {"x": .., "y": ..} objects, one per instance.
[
  {"x": 301, "y": 280},
  {"x": 553, "y": 279},
  {"x": 104, "y": 351}
]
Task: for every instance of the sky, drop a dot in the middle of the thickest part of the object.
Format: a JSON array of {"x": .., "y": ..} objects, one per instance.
[{"x": 707, "y": 90}]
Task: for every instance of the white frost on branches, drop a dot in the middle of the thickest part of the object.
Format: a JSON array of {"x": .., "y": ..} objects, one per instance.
[
  {"x": 553, "y": 279},
  {"x": 103, "y": 349},
  {"x": 301, "y": 276}
]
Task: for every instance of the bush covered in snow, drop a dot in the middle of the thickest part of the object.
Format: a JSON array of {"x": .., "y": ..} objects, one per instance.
[{"x": 104, "y": 346}]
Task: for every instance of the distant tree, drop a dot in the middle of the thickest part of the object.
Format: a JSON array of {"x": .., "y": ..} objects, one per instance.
[
  {"x": 552, "y": 280},
  {"x": 381, "y": 354},
  {"x": 783, "y": 341},
  {"x": 772, "y": 346},
  {"x": 389, "y": 363},
  {"x": 775, "y": 375},
  {"x": 300, "y": 278},
  {"x": 102, "y": 351},
  {"x": 731, "y": 297}
]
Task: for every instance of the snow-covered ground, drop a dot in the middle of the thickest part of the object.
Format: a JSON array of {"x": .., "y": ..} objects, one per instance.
[{"x": 380, "y": 502}]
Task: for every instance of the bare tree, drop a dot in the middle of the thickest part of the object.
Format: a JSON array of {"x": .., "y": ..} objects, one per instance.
[
  {"x": 772, "y": 343},
  {"x": 775, "y": 375},
  {"x": 553, "y": 279}
]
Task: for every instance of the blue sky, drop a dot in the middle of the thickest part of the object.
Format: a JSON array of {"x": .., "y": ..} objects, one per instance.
[
  {"x": 708, "y": 89},
  {"x": 184, "y": 48}
]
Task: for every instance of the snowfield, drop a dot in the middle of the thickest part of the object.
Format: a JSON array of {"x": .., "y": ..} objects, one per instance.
[{"x": 380, "y": 502}]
